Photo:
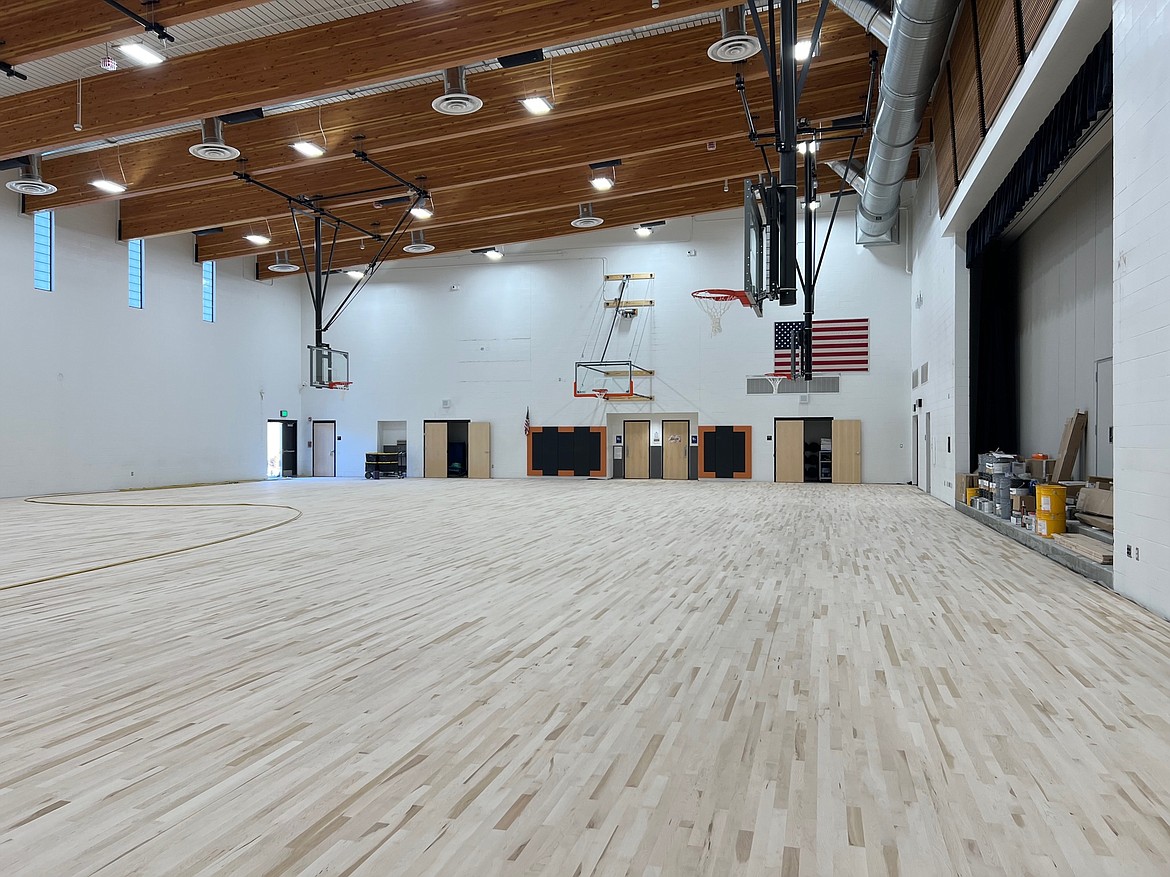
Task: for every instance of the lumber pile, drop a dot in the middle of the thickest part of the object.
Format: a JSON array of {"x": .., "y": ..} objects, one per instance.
[
  {"x": 1075, "y": 430},
  {"x": 1086, "y": 546},
  {"x": 1095, "y": 507}
]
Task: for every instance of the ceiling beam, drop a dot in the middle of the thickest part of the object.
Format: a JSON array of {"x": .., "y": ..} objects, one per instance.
[
  {"x": 497, "y": 203},
  {"x": 544, "y": 224},
  {"x": 364, "y": 50},
  {"x": 554, "y": 143},
  {"x": 36, "y": 29},
  {"x": 660, "y": 69}
]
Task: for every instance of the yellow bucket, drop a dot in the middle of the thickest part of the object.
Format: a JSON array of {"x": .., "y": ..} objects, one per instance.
[
  {"x": 1050, "y": 499},
  {"x": 1047, "y": 527},
  {"x": 972, "y": 492},
  {"x": 1050, "y": 514}
]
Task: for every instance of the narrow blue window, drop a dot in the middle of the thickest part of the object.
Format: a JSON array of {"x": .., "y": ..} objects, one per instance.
[
  {"x": 209, "y": 292},
  {"x": 43, "y": 228},
  {"x": 136, "y": 257}
]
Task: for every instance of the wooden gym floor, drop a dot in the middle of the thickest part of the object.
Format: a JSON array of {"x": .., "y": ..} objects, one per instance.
[{"x": 568, "y": 678}]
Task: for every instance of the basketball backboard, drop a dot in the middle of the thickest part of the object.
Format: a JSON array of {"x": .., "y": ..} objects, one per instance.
[{"x": 328, "y": 368}]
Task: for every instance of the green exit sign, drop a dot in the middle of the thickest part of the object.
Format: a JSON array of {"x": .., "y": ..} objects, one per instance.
[{"x": 284, "y": 414}]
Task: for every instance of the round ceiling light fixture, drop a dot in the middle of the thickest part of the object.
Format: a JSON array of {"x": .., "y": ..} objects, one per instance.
[
  {"x": 30, "y": 182},
  {"x": 418, "y": 244},
  {"x": 735, "y": 44},
  {"x": 212, "y": 146},
  {"x": 282, "y": 265},
  {"x": 585, "y": 217},
  {"x": 455, "y": 101}
]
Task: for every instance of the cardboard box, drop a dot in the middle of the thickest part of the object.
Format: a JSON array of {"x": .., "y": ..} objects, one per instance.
[
  {"x": 963, "y": 480},
  {"x": 1023, "y": 504},
  {"x": 1095, "y": 501},
  {"x": 1103, "y": 483},
  {"x": 1041, "y": 470}
]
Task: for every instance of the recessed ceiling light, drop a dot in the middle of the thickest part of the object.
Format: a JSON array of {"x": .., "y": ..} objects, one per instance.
[
  {"x": 141, "y": 54},
  {"x": 308, "y": 149},
  {"x": 424, "y": 209},
  {"x": 257, "y": 239},
  {"x": 108, "y": 186},
  {"x": 538, "y": 106},
  {"x": 603, "y": 174},
  {"x": 802, "y": 49}
]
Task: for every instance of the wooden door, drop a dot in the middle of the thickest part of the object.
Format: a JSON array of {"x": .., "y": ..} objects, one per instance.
[
  {"x": 479, "y": 450},
  {"x": 789, "y": 451},
  {"x": 324, "y": 448},
  {"x": 636, "y": 438},
  {"x": 435, "y": 449},
  {"x": 914, "y": 453},
  {"x": 676, "y": 438},
  {"x": 847, "y": 451}
]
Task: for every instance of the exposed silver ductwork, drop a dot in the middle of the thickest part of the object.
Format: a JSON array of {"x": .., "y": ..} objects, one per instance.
[
  {"x": 30, "y": 181},
  {"x": 212, "y": 146},
  {"x": 456, "y": 100},
  {"x": 735, "y": 44},
  {"x": 918, "y": 37},
  {"x": 852, "y": 172},
  {"x": 870, "y": 15}
]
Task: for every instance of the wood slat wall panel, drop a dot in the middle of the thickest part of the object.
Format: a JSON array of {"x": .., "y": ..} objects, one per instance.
[
  {"x": 965, "y": 90},
  {"x": 1036, "y": 14},
  {"x": 944, "y": 141},
  {"x": 999, "y": 53}
]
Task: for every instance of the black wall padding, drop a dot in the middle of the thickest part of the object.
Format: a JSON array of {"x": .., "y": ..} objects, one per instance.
[
  {"x": 725, "y": 453},
  {"x": 1088, "y": 95},
  {"x": 578, "y": 451},
  {"x": 995, "y": 360}
]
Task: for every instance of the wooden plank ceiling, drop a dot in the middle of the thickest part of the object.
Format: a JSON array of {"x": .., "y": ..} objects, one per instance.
[{"x": 499, "y": 176}]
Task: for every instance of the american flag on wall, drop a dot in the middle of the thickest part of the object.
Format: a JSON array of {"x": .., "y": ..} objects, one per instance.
[{"x": 838, "y": 346}]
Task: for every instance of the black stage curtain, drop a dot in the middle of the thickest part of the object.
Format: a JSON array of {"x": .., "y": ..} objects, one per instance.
[
  {"x": 995, "y": 359},
  {"x": 1088, "y": 95},
  {"x": 995, "y": 290}
]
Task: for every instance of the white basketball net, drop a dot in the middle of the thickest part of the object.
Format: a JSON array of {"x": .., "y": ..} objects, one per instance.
[{"x": 714, "y": 308}]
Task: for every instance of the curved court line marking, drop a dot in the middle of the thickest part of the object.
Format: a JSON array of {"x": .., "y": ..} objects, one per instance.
[{"x": 46, "y": 500}]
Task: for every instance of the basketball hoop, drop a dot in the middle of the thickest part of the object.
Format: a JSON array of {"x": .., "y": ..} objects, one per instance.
[
  {"x": 714, "y": 303},
  {"x": 601, "y": 393},
  {"x": 338, "y": 385}
]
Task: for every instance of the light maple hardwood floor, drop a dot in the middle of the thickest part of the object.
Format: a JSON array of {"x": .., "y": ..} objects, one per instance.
[{"x": 567, "y": 678}]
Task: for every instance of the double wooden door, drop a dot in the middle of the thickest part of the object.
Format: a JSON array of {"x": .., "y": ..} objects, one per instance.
[
  {"x": 846, "y": 451},
  {"x": 436, "y": 438}
]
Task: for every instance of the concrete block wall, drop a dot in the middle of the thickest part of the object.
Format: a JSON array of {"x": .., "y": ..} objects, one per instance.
[{"x": 1141, "y": 300}]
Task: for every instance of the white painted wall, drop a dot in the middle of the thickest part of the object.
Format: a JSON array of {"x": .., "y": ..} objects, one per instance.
[
  {"x": 508, "y": 337},
  {"x": 1141, "y": 280},
  {"x": 1066, "y": 311},
  {"x": 98, "y": 395},
  {"x": 940, "y": 339}
]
